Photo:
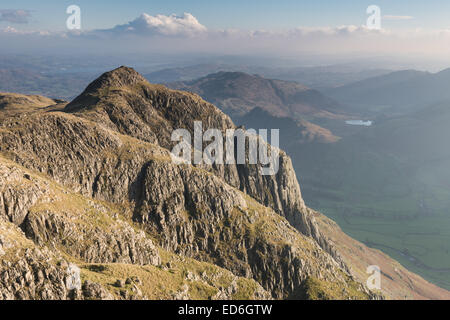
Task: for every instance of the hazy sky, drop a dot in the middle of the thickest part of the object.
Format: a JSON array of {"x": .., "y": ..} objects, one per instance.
[
  {"x": 241, "y": 14},
  {"x": 282, "y": 27}
]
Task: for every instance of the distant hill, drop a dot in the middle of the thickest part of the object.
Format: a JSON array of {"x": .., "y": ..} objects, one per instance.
[
  {"x": 314, "y": 77},
  {"x": 395, "y": 93},
  {"x": 30, "y": 76},
  {"x": 320, "y": 77},
  {"x": 292, "y": 131},
  {"x": 188, "y": 73},
  {"x": 237, "y": 93}
]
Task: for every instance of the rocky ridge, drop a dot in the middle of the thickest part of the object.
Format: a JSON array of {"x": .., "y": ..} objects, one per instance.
[
  {"x": 95, "y": 182},
  {"x": 56, "y": 232},
  {"x": 124, "y": 101}
]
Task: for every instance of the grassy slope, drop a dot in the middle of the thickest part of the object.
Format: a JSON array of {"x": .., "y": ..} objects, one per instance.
[
  {"x": 396, "y": 281},
  {"x": 200, "y": 280}
]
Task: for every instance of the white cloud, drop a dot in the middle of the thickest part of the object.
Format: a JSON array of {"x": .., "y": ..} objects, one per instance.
[
  {"x": 335, "y": 31},
  {"x": 13, "y": 31},
  {"x": 185, "y": 34},
  {"x": 173, "y": 25}
]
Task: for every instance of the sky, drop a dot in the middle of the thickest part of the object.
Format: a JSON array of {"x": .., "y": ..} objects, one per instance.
[
  {"x": 239, "y": 14},
  {"x": 282, "y": 27}
]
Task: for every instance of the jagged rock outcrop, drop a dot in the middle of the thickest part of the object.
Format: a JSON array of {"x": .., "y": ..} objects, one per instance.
[
  {"x": 30, "y": 272},
  {"x": 16, "y": 198},
  {"x": 26, "y": 272},
  {"x": 93, "y": 244},
  {"x": 124, "y": 101},
  {"x": 197, "y": 214},
  {"x": 50, "y": 216},
  {"x": 61, "y": 221},
  {"x": 112, "y": 145},
  {"x": 190, "y": 216},
  {"x": 94, "y": 291}
]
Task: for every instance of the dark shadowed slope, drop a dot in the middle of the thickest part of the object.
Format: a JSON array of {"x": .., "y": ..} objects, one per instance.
[
  {"x": 292, "y": 132},
  {"x": 237, "y": 93}
]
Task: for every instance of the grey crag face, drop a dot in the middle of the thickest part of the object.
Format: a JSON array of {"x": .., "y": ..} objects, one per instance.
[
  {"x": 85, "y": 180},
  {"x": 378, "y": 169}
]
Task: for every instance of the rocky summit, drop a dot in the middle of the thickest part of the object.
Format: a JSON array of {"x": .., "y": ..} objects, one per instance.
[{"x": 90, "y": 186}]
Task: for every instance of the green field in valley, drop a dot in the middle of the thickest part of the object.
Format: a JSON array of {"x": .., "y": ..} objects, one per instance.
[{"x": 398, "y": 202}]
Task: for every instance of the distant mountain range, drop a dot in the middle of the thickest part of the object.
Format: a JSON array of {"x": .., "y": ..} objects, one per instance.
[
  {"x": 394, "y": 93},
  {"x": 237, "y": 93},
  {"x": 63, "y": 77},
  {"x": 314, "y": 77}
]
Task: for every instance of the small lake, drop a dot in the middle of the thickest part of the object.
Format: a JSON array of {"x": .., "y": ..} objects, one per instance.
[{"x": 359, "y": 123}]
